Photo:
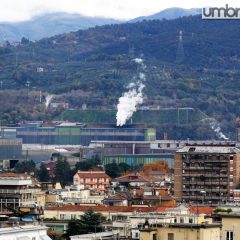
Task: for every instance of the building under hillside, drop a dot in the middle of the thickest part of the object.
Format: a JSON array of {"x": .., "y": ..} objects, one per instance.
[{"x": 66, "y": 133}]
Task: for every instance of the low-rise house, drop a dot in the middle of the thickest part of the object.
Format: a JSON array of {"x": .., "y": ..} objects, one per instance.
[
  {"x": 132, "y": 180},
  {"x": 148, "y": 196},
  {"x": 76, "y": 194},
  {"x": 93, "y": 180},
  {"x": 177, "y": 215},
  {"x": 113, "y": 213}
]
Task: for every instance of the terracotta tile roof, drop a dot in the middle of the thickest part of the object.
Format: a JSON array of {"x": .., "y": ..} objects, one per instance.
[
  {"x": 119, "y": 196},
  {"x": 201, "y": 209},
  {"x": 102, "y": 208},
  {"x": 131, "y": 178},
  {"x": 92, "y": 174}
]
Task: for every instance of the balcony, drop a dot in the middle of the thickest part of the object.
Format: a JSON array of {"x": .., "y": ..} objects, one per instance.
[{"x": 19, "y": 191}]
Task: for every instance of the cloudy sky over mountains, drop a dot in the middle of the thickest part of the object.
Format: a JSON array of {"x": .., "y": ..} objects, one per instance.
[{"x": 20, "y": 10}]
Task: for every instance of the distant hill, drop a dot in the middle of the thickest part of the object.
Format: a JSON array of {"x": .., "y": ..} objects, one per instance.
[
  {"x": 48, "y": 25},
  {"x": 169, "y": 13}
]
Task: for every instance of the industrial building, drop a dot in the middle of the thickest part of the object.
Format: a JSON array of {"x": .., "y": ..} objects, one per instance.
[
  {"x": 10, "y": 148},
  {"x": 136, "y": 152},
  {"x": 66, "y": 133},
  {"x": 206, "y": 174},
  {"x": 10, "y": 152}
]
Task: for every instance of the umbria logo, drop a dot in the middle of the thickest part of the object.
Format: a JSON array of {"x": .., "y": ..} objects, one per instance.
[{"x": 221, "y": 13}]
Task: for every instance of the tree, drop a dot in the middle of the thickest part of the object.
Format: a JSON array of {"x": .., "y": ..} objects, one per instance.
[
  {"x": 24, "y": 40},
  {"x": 62, "y": 172},
  {"x": 124, "y": 167},
  {"x": 88, "y": 164},
  {"x": 90, "y": 222},
  {"x": 113, "y": 170},
  {"x": 42, "y": 173},
  {"x": 160, "y": 165},
  {"x": 25, "y": 167}
]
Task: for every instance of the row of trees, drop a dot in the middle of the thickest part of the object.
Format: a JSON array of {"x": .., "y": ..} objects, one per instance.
[{"x": 64, "y": 174}]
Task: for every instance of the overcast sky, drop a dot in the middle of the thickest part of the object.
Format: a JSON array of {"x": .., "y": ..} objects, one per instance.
[{"x": 20, "y": 10}]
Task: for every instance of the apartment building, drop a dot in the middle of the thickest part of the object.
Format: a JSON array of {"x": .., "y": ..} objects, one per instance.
[
  {"x": 95, "y": 180},
  {"x": 17, "y": 190},
  {"x": 181, "y": 231},
  {"x": 206, "y": 174}
]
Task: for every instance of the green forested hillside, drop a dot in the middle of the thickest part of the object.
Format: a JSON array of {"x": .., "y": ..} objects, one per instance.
[{"x": 92, "y": 67}]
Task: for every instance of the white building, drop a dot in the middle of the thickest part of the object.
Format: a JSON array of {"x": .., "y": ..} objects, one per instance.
[{"x": 29, "y": 232}]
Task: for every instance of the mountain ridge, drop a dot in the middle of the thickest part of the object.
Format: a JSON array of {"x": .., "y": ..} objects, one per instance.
[
  {"x": 50, "y": 24},
  {"x": 169, "y": 13}
]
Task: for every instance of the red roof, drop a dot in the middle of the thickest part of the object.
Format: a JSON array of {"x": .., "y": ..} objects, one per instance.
[
  {"x": 92, "y": 174},
  {"x": 131, "y": 178},
  {"x": 102, "y": 208},
  {"x": 201, "y": 209}
]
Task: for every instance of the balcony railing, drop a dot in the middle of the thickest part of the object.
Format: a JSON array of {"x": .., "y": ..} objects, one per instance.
[{"x": 19, "y": 191}]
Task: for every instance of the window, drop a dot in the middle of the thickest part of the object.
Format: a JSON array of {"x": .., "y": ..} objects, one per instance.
[
  {"x": 136, "y": 235},
  {"x": 190, "y": 220},
  {"x": 62, "y": 216},
  {"x": 181, "y": 220},
  {"x": 154, "y": 237},
  {"x": 229, "y": 235},
  {"x": 73, "y": 216},
  {"x": 170, "y": 236}
]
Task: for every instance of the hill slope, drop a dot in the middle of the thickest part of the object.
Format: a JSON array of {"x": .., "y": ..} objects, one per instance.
[{"x": 93, "y": 67}]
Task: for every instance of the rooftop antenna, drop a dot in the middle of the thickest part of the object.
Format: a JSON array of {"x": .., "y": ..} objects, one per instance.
[{"x": 180, "y": 50}]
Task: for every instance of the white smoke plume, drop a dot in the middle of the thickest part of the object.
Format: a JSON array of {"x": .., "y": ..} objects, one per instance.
[
  {"x": 217, "y": 129},
  {"x": 131, "y": 99},
  {"x": 48, "y": 100}
]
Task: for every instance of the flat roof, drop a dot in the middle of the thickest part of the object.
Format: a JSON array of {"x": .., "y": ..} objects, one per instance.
[
  {"x": 184, "y": 225},
  {"x": 209, "y": 149},
  {"x": 22, "y": 229}
]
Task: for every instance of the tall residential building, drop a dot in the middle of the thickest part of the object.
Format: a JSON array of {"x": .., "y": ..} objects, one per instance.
[
  {"x": 206, "y": 174},
  {"x": 16, "y": 190}
]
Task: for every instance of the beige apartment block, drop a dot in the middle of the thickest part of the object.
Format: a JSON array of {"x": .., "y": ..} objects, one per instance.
[{"x": 182, "y": 232}]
